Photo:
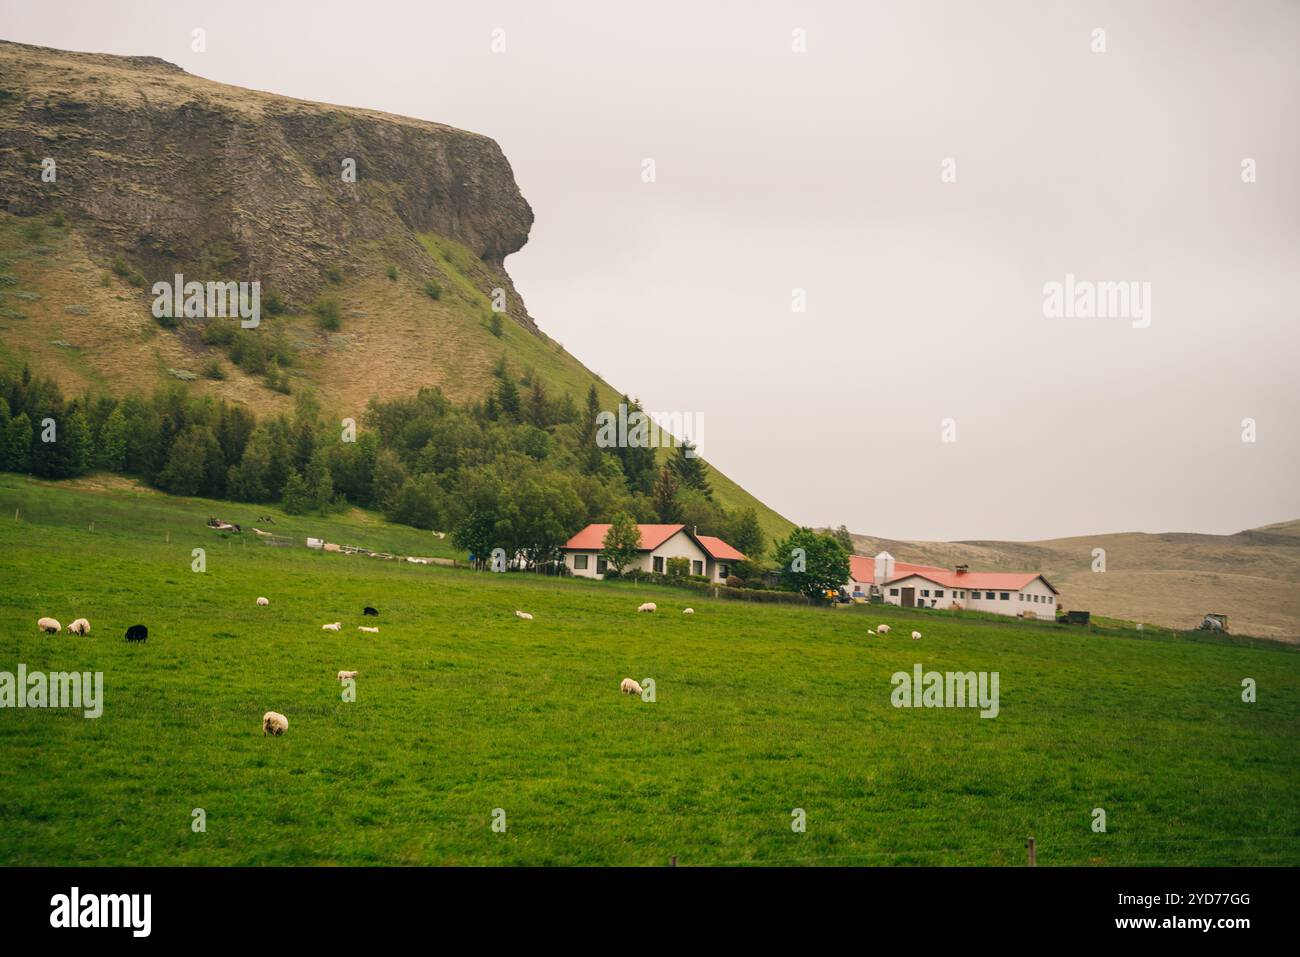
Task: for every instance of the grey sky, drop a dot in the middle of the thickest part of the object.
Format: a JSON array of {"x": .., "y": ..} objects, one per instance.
[{"x": 821, "y": 170}]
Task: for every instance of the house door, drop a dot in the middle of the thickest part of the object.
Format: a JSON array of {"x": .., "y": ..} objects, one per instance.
[{"x": 909, "y": 597}]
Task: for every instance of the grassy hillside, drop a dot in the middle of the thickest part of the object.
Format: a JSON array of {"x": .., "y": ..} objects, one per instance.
[
  {"x": 462, "y": 708},
  {"x": 1171, "y": 579}
]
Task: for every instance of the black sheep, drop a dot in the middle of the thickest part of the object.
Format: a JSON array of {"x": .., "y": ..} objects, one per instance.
[
  {"x": 370, "y": 611},
  {"x": 137, "y": 633}
]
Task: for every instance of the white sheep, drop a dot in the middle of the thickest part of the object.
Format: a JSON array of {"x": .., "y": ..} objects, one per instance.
[
  {"x": 273, "y": 722},
  {"x": 79, "y": 627},
  {"x": 374, "y": 630},
  {"x": 49, "y": 626},
  {"x": 345, "y": 675},
  {"x": 882, "y": 629},
  {"x": 629, "y": 686},
  {"x": 524, "y": 615},
  {"x": 870, "y": 632},
  {"x": 332, "y": 626},
  {"x": 916, "y": 636},
  {"x": 688, "y": 611},
  {"x": 263, "y": 602},
  {"x": 649, "y": 606}
]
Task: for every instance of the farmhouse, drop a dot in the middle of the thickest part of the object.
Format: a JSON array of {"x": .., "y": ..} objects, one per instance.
[
  {"x": 1026, "y": 594},
  {"x": 709, "y": 556}
]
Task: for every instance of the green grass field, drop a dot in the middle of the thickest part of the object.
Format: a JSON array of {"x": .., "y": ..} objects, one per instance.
[{"x": 462, "y": 708}]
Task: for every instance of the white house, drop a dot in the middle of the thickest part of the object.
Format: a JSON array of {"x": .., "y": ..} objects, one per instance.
[
  {"x": 709, "y": 556},
  {"x": 926, "y": 586}
]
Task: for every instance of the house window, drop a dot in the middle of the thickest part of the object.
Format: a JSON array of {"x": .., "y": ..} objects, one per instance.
[
  {"x": 580, "y": 561},
  {"x": 601, "y": 565},
  {"x": 697, "y": 568},
  {"x": 988, "y": 595},
  {"x": 1049, "y": 599},
  {"x": 1006, "y": 596},
  {"x": 893, "y": 592},
  {"x": 724, "y": 571},
  {"x": 938, "y": 593},
  {"x": 925, "y": 593},
  {"x": 659, "y": 564}
]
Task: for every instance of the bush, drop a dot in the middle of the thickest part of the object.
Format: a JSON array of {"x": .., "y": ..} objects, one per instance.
[
  {"x": 213, "y": 370},
  {"x": 495, "y": 325},
  {"x": 392, "y": 273},
  {"x": 432, "y": 289},
  {"x": 734, "y": 582},
  {"x": 334, "y": 274},
  {"x": 679, "y": 567},
  {"x": 57, "y": 219},
  {"x": 219, "y": 332},
  {"x": 273, "y": 304},
  {"x": 328, "y": 315},
  {"x": 167, "y": 322}
]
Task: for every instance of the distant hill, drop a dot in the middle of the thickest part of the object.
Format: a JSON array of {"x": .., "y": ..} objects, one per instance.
[
  {"x": 1170, "y": 579},
  {"x": 160, "y": 172}
]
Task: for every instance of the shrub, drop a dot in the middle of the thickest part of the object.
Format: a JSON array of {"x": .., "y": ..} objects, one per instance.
[
  {"x": 734, "y": 582},
  {"x": 679, "y": 567},
  {"x": 57, "y": 219},
  {"x": 273, "y": 304},
  {"x": 334, "y": 274},
  {"x": 167, "y": 322},
  {"x": 392, "y": 273},
  {"x": 327, "y": 313},
  {"x": 432, "y": 289},
  {"x": 212, "y": 370},
  {"x": 219, "y": 332},
  {"x": 495, "y": 324}
]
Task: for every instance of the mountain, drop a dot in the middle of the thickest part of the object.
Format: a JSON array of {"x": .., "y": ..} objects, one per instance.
[
  {"x": 158, "y": 172},
  {"x": 1170, "y": 579}
]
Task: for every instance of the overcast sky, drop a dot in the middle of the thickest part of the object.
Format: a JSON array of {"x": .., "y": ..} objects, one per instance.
[{"x": 778, "y": 170}]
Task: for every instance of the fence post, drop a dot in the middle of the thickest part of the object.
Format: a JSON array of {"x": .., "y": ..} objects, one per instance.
[
  {"x": 673, "y": 862},
  {"x": 1033, "y": 854}
]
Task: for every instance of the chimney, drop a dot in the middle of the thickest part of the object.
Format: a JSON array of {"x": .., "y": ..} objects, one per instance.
[{"x": 962, "y": 569}]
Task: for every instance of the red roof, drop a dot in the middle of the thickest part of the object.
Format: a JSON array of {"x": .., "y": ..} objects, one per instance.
[
  {"x": 592, "y": 538},
  {"x": 863, "y": 569},
  {"x": 718, "y": 549}
]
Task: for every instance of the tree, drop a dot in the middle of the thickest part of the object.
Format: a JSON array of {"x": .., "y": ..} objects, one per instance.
[
  {"x": 690, "y": 469},
  {"x": 390, "y": 476},
  {"x": 186, "y": 470},
  {"x": 247, "y": 481},
  {"x": 111, "y": 453},
  {"x": 590, "y": 454},
  {"x": 508, "y": 398},
  {"x": 18, "y": 443},
  {"x": 622, "y": 543},
  {"x": 297, "y": 498},
  {"x": 842, "y": 536},
  {"x": 745, "y": 534},
  {"x": 536, "y": 414},
  {"x": 811, "y": 563},
  {"x": 419, "y": 503},
  {"x": 319, "y": 482},
  {"x": 665, "y": 497}
]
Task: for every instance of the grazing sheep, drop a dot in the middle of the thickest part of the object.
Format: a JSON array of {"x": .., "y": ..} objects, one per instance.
[
  {"x": 332, "y": 626},
  {"x": 263, "y": 602},
  {"x": 688, "y": 611},
  {"x": 273, "y": 722},
  {"x": 137, "y": 633},
  {"x": 916, "y": 636},
  {"x": 882, "y": 629},
  {"x": 373, "y": 631},
  {"x": 373, "y": 613},
  {"x": 629, "y": 686},
  {"x": 649, "y": 606},
  {"x": 49, "y": 626},
  {"x": 79, "y": 627},
  {"x": 345, "y": 675},
  {"x": 524, "y": 615},
  {"x": 870, "y": 632}
]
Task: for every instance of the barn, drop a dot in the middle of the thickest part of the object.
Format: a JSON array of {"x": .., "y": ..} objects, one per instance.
[{"x": 1027, "y": 594}]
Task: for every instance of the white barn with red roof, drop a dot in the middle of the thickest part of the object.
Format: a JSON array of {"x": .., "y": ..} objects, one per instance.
[
  {"x": 927, "y": 586},
  {"x": 709, "y": 556}
]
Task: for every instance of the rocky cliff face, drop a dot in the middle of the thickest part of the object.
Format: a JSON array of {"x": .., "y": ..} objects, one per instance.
[{"x": 177, "y": 173}]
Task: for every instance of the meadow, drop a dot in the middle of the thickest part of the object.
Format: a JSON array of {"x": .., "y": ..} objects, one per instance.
[{"x": 462, "y": 709}]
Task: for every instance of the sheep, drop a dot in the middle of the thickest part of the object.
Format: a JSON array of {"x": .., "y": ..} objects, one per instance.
[
  {"x": 345, "y": 675},
  {"x": 688, "y": 611},
  {"x": 882, "y": 629},
  {"x": 373, "y": 613},
  {"x": 373, "y": 631},
  {"x": 524, "y": 615},
  {"x": 79, "y": 627},
  {"x": 49, "y": 625},
  {"x": 137, "y": 633},
  {"x": 870, "y": 632},
  {"x": 332, "y": 626},
  {"x": 263, "y": 602},
  {"x": 916, "y": 636},
  {"x": 274, "y": 723},
  {"x": 629, "y": 686},
  {"x": 649, "y": 606}
]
